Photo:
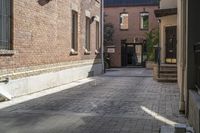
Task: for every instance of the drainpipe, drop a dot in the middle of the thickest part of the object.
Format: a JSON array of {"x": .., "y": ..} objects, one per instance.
[
  {"x": 183, "y": 53},
  {"x": 102, "y": 34}
]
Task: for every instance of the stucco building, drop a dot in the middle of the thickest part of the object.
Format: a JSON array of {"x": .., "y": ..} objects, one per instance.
[
  {"x": 167, "y": 15},
  {"x": 47, "y": 43},
  {"x": 131, "y": 20},
  {"x": 189, "y": 57},
  {"x": 187, "y": 54}
]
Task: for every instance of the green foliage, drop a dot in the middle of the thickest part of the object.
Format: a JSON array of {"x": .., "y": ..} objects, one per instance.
[
  {"x": 108, "y": 33},
  {"x": 152, "y": 40}
]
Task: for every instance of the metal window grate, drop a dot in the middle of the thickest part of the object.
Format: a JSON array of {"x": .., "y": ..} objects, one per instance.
[
  {"x": 87, "y": 35},
  {"x": 74, "y": 30},
  {"x": 5, "y": 24},
  {"x": 97, "y": 35},
  {"x": 144, "y": 21}
]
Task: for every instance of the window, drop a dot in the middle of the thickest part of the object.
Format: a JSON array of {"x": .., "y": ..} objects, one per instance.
[
  {"x": 144, "y": 21},
  {"x": 87, "y": 34},
  {"x": 124, "y": 21},
  {"x": 74, "y": 30},
  {"x": 97, "y": 36},
  {"x": 5, "y": 24}
]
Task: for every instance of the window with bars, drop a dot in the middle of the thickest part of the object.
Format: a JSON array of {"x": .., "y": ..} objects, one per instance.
[
  {"x": 87, "y": 41},
  {"x": 74, "y": 30},
  {"x": 5, "y": 24},
  {"x": 144, "y": 21},
  {"x": 97, "y": 36}
]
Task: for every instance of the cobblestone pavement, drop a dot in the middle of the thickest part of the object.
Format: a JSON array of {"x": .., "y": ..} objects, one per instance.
[{"x": 122, "y": 101}]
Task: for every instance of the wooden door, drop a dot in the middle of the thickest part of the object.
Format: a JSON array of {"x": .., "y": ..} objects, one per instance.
[{"x": 171, "y": 44}]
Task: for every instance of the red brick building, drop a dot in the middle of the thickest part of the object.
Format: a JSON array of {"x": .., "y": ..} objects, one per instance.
[
  {"x": 47, "y": 43},
  {"x": 131, "y": 20}
]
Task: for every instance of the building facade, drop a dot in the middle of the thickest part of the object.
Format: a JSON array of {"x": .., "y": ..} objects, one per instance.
[
  {"x": 167, "y": 15},
  {"x": 189, "y": 70},
  {"x": 188, "y": 57},
  {"x": 47, "y": 43},
  {"x": 131, "y": 21}
]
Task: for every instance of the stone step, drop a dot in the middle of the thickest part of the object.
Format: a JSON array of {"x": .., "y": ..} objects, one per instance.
[
  {"x": 168, "y": 75},
  {"x": 166, "y": 79},
  {"x": 168, "y": 71},
  {"x": 168, "y": 65}
]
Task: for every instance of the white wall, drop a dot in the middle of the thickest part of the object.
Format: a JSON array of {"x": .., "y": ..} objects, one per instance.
[
  {"x": 41, "y": 82},
  {"x": 165, "y": 22}
]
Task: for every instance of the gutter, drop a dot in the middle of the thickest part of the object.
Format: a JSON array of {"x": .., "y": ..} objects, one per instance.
[{"x": 102, "y": 35}]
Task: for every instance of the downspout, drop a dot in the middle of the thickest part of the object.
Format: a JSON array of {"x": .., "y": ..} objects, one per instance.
[
  {"x": 102, "y": 35},
  {"x": 183, "y": 54}
]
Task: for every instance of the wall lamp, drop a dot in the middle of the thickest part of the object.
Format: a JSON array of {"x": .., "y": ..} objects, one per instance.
[
  {"x": 43, "y": 2},
  {"x": 92, "y": 19}
]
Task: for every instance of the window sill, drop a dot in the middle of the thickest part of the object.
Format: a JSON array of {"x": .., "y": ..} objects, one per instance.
[
  {"x": 73, "y": 52},
  {"x": 97, "y": 52},
  {"x": 7, "y": 52},
  {"x": 144, "y": 29},
  {"x": 86, "y": 52},
  {"x": 123, "y": 29}
]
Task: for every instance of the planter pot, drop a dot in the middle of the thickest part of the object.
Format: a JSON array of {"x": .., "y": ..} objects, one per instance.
[{"x": 149, "y": 64}]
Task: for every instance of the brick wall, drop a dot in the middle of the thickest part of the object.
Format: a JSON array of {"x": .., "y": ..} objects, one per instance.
[
  {"x": 42, "y": 34},
  {"x": 112, "y": 15}
]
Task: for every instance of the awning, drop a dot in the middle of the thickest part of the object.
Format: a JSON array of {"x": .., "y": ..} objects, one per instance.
[{"x": 165, "y": 12}]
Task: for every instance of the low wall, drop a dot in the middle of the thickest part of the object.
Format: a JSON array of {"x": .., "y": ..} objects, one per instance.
[
  {"x": 46, "y": 80},
  {"x": 194, "y": 110},
  {"x": 155, "y": 71}
]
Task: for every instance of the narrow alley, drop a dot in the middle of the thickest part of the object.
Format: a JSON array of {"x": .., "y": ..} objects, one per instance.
[{"x": 124, "y": 100}]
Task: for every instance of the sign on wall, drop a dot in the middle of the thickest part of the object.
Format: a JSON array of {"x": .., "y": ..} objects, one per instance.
[{"x": 111, "y": 50}]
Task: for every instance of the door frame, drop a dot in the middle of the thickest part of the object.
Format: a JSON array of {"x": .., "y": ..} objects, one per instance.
[
  {"x": 124, "y": 62},
  {"x": 173, "y": 60}
]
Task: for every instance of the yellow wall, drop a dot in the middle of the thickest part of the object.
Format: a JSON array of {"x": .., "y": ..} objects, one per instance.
[{"x": 165, "y": 22}]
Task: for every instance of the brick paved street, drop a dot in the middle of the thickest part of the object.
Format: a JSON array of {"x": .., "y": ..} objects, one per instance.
[{"x": 122, "y": 101}]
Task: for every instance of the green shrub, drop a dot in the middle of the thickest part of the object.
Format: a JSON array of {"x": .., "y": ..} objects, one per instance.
[{"x": 152, "y": 39}]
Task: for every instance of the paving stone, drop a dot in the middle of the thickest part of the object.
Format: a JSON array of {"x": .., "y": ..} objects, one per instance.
[{"x": 123, "y": 101}]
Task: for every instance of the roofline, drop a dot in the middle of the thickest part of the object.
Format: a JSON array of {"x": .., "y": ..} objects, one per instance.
[
  {"x": 165, "y": 12},
  {"x": 130, "y": 5}
]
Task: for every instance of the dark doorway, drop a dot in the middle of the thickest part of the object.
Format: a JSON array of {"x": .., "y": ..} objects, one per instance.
[
  {"x": 132, "y": 54},
  {"x": 171, "y": 44},
  {"x": 197, "y": 65}
]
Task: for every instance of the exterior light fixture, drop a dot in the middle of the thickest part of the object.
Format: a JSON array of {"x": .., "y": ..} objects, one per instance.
[
  {"x": 92, "y": 19},
  {"x": 43, "y": 2}
]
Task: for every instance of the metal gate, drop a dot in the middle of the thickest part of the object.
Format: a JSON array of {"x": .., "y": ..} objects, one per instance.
[{"x": 197, "y": 65}]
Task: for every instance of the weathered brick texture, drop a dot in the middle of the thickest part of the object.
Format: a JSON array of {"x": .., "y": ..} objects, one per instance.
[
  {"x": 42, "y": 34},
  {"x": 112, "y": 15}
]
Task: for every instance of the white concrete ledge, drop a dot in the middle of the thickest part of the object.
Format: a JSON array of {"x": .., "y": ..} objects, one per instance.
[
  {"x": 88, "y": 14},
  {"x": 18, "y": 100},
  {"x": 32, "y": 84}
]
